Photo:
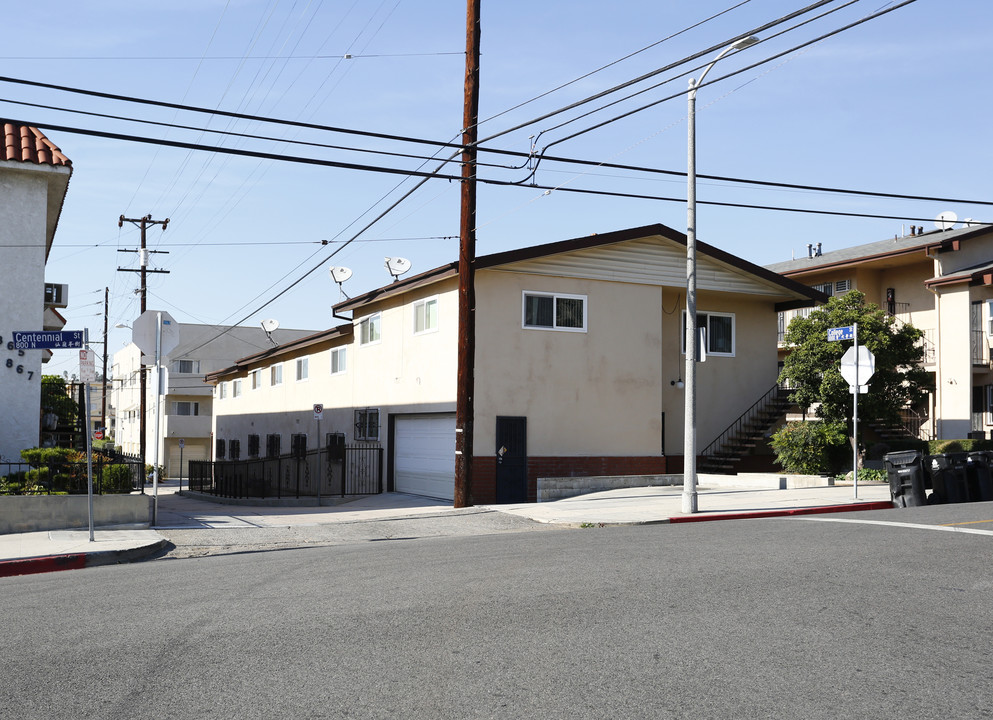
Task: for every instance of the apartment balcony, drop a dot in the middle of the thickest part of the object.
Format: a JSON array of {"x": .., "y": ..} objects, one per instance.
[
  {"x": 980, "y": 348},
  {"x": 186, "y": 426}
]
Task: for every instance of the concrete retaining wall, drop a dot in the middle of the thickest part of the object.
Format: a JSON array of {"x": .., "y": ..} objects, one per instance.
[
  {"x": 563, "y": 487},
  {"x": 36, "y": 513}
]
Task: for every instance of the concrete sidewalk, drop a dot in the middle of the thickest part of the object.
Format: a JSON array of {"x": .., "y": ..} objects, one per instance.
[{"x": 36, "y": 552}]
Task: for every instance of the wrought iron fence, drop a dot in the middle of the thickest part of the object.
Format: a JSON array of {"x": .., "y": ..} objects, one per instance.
[
  {"x": 316, "y": 473},
  {"x": 112, "y": 474}
]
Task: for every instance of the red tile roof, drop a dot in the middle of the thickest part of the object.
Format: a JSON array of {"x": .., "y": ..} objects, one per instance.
[{"x": 27, "y": 144}]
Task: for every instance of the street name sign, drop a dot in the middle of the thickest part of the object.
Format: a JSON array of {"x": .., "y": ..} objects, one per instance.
[
  {"x": 47, "y": 340},
  {"x": 846, "y": 332}
]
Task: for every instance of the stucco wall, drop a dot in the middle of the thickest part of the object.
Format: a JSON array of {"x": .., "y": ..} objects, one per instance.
[
  {"x": 603, "y": 392},
  {"x": 954, "y": 379},
  {"x": 23, "y": 212}
]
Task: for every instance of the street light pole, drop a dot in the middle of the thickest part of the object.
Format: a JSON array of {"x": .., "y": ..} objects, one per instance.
[{"x": 689, "y": 504}]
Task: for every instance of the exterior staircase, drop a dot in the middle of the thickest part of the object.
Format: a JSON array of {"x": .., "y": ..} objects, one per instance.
[{"x": 741, "y": 436}]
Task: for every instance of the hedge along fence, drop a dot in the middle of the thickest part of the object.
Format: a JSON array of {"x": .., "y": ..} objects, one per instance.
[{"x": 57, "y": 471}]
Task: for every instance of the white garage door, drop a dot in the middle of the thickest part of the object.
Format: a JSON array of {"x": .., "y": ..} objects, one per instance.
[
  {"x": 190, "y": 452},
  {"x": 424, "y": 455}
]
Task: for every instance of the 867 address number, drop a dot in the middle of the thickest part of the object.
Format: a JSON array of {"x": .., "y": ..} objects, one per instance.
[{"x": 19, "y": 369}]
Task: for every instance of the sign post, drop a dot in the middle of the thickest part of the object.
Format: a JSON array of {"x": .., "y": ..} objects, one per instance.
[
  {"x": 858, "y": 364},
  {"x": 182, "y": 444},
  {"x": 318, "y": 414}
]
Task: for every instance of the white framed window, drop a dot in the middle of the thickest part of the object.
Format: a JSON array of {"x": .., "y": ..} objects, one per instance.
[
  {"x": 222, "y": 390},
  {"x": 235, "y": 388},
  {"x": 826, "y": 288},
  {"x": 339, "y": 360},
  {"x": 303, "y": 368},
  {"x": 718, "y": 329},
  {"x": 370, "y": 329},
  {"x": 367, "y": 424},
  {"x": 183, "y": 407},
  {"x": 276, "y": 375},
  {"x": 255, "y": 379},
  {"x": 426, "y": 315},
  {"x": 842, "y": 286},
  {"x": 548, "y": 311},
  {"x": 186, "y": 366}
]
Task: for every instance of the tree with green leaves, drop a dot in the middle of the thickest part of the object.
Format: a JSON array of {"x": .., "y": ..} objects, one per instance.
[
  {"x": 813, "y": 367},
  {"x": 55, "y": 399}
]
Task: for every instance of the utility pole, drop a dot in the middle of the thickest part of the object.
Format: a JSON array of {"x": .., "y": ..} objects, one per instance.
[
  {"x": 465, "y": 383},
  {"x": 103, "y": 395},
  {"x": 143, "y": 253}
]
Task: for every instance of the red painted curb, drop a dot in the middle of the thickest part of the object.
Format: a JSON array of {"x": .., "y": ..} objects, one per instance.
[
  {"x": 33, "y": 566},
  {"x": 875, "y": 505}
]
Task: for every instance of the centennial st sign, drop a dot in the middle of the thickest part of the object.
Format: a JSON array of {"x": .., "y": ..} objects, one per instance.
[{"x": 47, "y": 340}]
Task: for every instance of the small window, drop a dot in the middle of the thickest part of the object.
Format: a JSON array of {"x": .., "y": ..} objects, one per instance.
[
  {"x": 234, "y": 448},
  {"x": 219, "y": 449},
  {"x": 222, "y": 390},
  {"x": 186, "y": 366},
  {"x": 425, "y": 315},
  {"x": 826, "y": 288},
  {"x": 718, "y": 331},
  {"x": 276, "y": 375},
  {"x": 370, "y": 330},
  {"x": 272, "y": 445},
  {"x": 367, "y": 424},
  {"x": 253, "y": 446},
  {"x": 338, "y": 360},
  {"x": 255, "y": 379},
  {"x": 842, "y": 286},
  {"x": 303, "y": 368},
  {"x": 555, "y": 312},
  {"x": 235, "y": 388},
  {"x": 298, "y": 445},
  {"x": 185, "y": 408}
]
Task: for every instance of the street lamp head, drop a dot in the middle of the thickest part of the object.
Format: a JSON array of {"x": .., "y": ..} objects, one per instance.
[
  {"x": 122, "y": 326},
  {"x": 744, "y": 42}
]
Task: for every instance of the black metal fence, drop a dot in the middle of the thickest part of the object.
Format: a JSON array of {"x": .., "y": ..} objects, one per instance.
[
  {"x": 112, "y": 474},
  {"x": 316, "y": 473}
]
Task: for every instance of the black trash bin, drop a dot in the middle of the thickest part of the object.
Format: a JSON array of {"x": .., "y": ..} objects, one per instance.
[
  {"x": 905, "y": 472},
  {"x": 979, "y": 476},
  {"x": 948, "y": 477}
]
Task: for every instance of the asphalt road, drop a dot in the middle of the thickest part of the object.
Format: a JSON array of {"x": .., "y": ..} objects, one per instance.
[{"x": 774, "y": 618}]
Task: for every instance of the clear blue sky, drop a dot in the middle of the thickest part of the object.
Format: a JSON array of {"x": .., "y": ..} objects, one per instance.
[{"x": 900, "y": 104}]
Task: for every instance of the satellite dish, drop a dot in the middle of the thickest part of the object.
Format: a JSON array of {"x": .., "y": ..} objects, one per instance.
[
  {"x": 946, "y": 220},
  {"x": 397, "y": 266},
  {"x": 340, "y": 274},
  {"x": 269, "y": 326}
]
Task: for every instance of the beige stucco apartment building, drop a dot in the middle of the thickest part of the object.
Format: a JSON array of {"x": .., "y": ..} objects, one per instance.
[
  {"x": 578, "y": 365},
  {"x": 941, "y": 282},
  {"x": 187, "y": 404}
]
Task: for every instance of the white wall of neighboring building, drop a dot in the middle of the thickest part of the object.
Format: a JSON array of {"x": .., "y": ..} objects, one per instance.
[
  {"x": 187, "y": 406},
  {"x": 25, "y": 198}
]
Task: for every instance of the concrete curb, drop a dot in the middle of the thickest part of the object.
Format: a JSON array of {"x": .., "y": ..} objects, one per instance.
[
  {"x": 77, "y": 561},
  {"x": 824, "y": 509}
]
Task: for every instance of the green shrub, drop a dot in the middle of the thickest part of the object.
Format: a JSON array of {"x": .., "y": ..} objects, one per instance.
[
  {"x": 810, "y": 448},
  {"x": 116, "y": 479}
]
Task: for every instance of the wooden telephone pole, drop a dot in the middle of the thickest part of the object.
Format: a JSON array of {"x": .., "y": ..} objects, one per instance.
[
  {"x": 143, "y": 254},
  {"x": 464, "y": 404}
]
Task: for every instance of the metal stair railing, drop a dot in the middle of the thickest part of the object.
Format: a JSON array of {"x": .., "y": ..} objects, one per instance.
[{"x": 736, "y": 429}]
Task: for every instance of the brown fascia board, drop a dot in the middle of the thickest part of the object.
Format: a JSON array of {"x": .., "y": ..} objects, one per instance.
[
  {"x": 595, "y": 240},
  {"x": 400, "y": 286},
  {"x": 246, "y": 362}
]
